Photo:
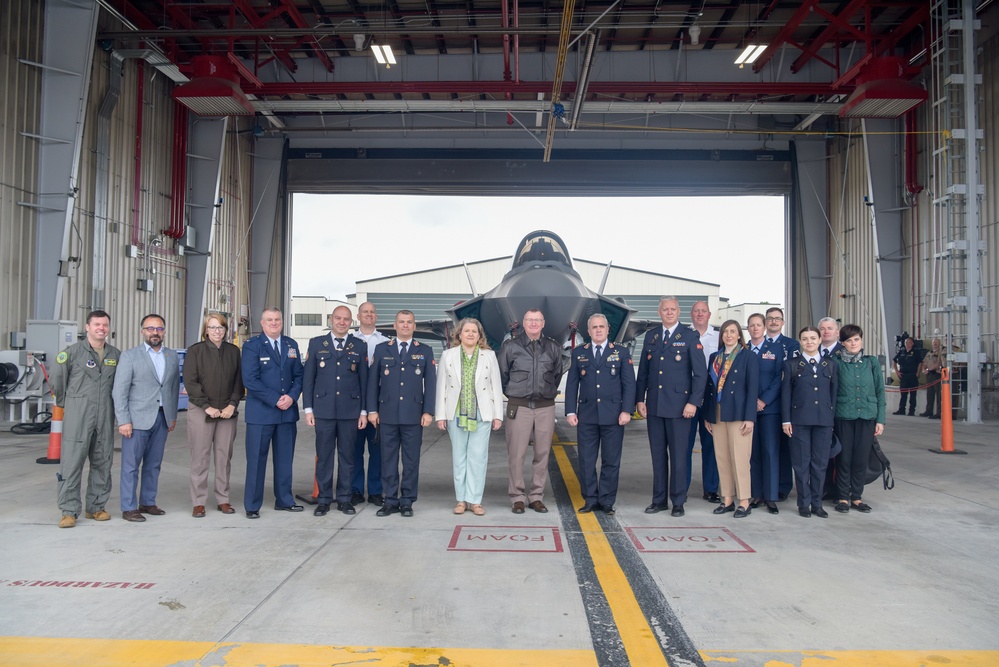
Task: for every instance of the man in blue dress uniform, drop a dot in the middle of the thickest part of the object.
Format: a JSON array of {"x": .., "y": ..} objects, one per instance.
[
  {"x": 402, "y": 385},
  {"x": 672, "y": 374},
  {"x": 334, "y": 390},
  {"x": 775, "y": 322},
  {"x": 599, "y": 400},
  {"x": 272, "y": 375},
  {"x": 765, "y": 460}
]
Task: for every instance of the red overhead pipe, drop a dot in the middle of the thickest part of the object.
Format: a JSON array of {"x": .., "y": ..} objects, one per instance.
[
  {"x": 140, "y": 75},
  {"x": 911, "y": 147},
  {"x": 178, "y": 184}
]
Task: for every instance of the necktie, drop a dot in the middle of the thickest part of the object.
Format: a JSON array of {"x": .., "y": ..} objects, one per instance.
[
  {"x": 277, "y": 348},
  {"x": 402, "y": 348},
  {"x": 815, "y": 369},
  {"x": 598, "y": 351},
  {"x": 339, "y": 343}
]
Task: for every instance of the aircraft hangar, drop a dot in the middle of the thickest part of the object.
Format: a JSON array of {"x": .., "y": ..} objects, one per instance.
[{"x": 149, "y": 147}]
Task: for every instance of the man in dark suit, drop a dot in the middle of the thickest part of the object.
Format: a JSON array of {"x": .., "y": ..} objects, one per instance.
[
  {"x": 829, "y": 333},
  {"x": 334, "y": 388},
  {"x": 146, "y": 391},
  {"x": 764, "y": 462},
  {"x": 790, "y": 347},
  {"x": 272, "y": 375},
  {"x": 672, "y": 374},
  {"x": 402, "y": 384},
  {"x": 599, "y": 400}
]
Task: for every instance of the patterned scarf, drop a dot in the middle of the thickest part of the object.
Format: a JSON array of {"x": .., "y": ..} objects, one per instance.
[
  {"x": 719, "y": 369},
  {"x": 468, "y": 409},
  {"x": 851, "y": 358}
]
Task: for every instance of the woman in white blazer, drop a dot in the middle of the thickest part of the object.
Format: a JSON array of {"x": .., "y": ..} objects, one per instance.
[{"x": 469, "y": 401}]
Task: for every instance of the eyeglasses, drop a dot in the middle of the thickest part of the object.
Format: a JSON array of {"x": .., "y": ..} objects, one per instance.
[
  {"x": 154, "y": 329},
  {"x": 215, "y": 328},
  {"x": 775, "y": 319}
]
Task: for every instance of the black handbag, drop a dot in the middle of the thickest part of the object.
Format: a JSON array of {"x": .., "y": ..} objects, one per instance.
[{"x": 879, "y": 466}]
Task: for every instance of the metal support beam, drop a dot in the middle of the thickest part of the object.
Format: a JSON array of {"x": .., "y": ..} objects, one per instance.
[
  {"x": 270, "y": 233},
  {"x": 810, "y": 249},
  {"x": 67, "y": 56},
  {"x": 883, "y": 156},
  {"x": 204, "y": 181}
]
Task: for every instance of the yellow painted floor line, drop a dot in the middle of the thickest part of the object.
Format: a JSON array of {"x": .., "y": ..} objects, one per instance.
[
  {"x": 639, "y": 641},
  {"x": 38, "y": 651},
  {"x": 851, "y": 658}
]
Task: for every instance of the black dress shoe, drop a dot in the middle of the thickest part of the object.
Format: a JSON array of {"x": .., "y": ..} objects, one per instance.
[
  {"x": 290, "y": 508},
  {"x": 772, "y": 507},
  {"x": 376, "y": 499},
  {"x": 755, "y": 502},
  {"x": 653, "y": 508},
  {"x": 253, "y": 515},
  {"x": 924, "y": 414},
  {"x": 842, "y": 507},
  {"x": 899, "y": 412},
  {"x": 712, "y": 497},
  {"x": 677, "y": 510},
  {"x": 356, "y": 498},
  {"x": 805, "y": 512},
  {"x": 386, "y": 510},
  {"x": 346, "y": 508},
  {"x": 781, "y": 497},
  {"x": 935, "y": 417},
  {"x": 819, "y": 512},
  {"x": 609, "y": 510},
  {"x": 721, "y": 509},
  {"x": 321, "y": 510},
  {"x": 742, "y": 512},
  {"x": 863, "y": 508},
  {"x": 588, "y": 507},
  {"x": 406, "y": 511}
]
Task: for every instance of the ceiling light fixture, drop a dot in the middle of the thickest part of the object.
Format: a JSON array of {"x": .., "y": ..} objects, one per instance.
[
  {"x": 750, "y": 54},
  {"x": 695, "y": 33},
  {"x": 383, "y": 54}
]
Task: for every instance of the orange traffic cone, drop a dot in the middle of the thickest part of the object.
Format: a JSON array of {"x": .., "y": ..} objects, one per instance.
[
  {"x": 946, "y": 417},
  {"x": 55, "y": 438}
]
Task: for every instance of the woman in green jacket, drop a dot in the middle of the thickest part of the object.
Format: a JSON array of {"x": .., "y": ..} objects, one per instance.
[{"x": 860, "y": 417}]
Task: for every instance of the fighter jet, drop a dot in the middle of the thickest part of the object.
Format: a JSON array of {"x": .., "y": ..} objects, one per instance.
[{"x": 542, "y": 277}]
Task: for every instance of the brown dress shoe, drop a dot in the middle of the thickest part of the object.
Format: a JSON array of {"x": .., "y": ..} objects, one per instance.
[
  {"x": 518, "y": 507},
  {"x": 538, "y": 506},
  {"x": 151, "y": 509},
  {"x": 67, "y": 521},
  {"x": 226, "y": 508},
  {"x": 133, "y": 515},
  {"x": 199, "y": 511},
  {"x": 99, "y": 515}
]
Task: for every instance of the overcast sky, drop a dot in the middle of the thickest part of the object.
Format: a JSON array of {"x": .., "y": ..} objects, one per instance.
[{"x": 736, "y": 242}]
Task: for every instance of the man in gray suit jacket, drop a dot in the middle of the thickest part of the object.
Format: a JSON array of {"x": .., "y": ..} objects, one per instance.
[{"x": 146, "y": 390}]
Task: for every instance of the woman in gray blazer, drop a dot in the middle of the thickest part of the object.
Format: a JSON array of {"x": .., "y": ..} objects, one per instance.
[{"x": 469, "y": 402}]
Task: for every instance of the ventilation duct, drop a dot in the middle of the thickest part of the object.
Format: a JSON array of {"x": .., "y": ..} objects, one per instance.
[
  {"x": 882, "y": 92},
  {"x": 214, "y": 89}
]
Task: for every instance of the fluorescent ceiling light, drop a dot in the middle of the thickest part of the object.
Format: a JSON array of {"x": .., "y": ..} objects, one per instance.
[
  {"x": 383, "y": 54},
  {"x": 750, "y": 54}
]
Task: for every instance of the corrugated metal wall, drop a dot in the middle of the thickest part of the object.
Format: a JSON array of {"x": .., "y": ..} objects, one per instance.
[
  {"x": 20, "y": 37},
  {"x": 145, "y": 213},
  {"x": 853, "y": 296}
]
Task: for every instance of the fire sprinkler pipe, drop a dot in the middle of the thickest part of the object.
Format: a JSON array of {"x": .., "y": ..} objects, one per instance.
[
  {"x": 505, "y": 10},
  {"x": 137, "y": 184}
]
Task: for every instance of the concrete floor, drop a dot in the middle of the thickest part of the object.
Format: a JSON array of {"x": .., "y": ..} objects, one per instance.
[{"x": 913, "y": 583}]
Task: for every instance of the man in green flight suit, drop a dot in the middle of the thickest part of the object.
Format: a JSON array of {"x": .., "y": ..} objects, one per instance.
[{"x": 81, "y": 379}]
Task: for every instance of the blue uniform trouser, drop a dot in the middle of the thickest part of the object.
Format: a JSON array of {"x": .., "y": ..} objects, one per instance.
[
  {"x": 810, "y": 447},
  {"x": 605, "y": 440},
  {"x": 401, "y": 441},
  {"x": 668, "y": 441},
  {"x": 784, "y": 464},
  {"x": 709, "y": 466},
  {"x": 369, "y": 435},
  {"x": 258, "y": 442},
  {"x": 764, "y": 463},
  {"x": 144, "y": 449},
  {"x": 334, "y": 436},
  {"x": 469, "y": 456}
]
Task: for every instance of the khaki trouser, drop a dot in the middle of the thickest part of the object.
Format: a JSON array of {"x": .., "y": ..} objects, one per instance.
[
  {"x": 732, "y": 451},
  {"x": 205, "y": 437},
  {"x": 541, "y": 423}
]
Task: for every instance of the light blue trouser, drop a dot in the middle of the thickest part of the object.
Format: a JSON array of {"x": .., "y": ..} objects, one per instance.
[
  {"x": 470, "y": 454},
  {"x": 143, "y": 450}
]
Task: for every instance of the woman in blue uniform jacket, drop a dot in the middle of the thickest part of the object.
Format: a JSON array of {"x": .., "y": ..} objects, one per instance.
[
  {"x": 808, "y": 408},
  {"x": 730, "y": 414}
]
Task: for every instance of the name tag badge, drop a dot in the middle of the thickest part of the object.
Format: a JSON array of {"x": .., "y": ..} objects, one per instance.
[{"x": 110, "y": 362}]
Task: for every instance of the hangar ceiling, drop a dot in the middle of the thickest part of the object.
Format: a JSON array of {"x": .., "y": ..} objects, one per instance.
[{"x": 501, "y": 70}]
